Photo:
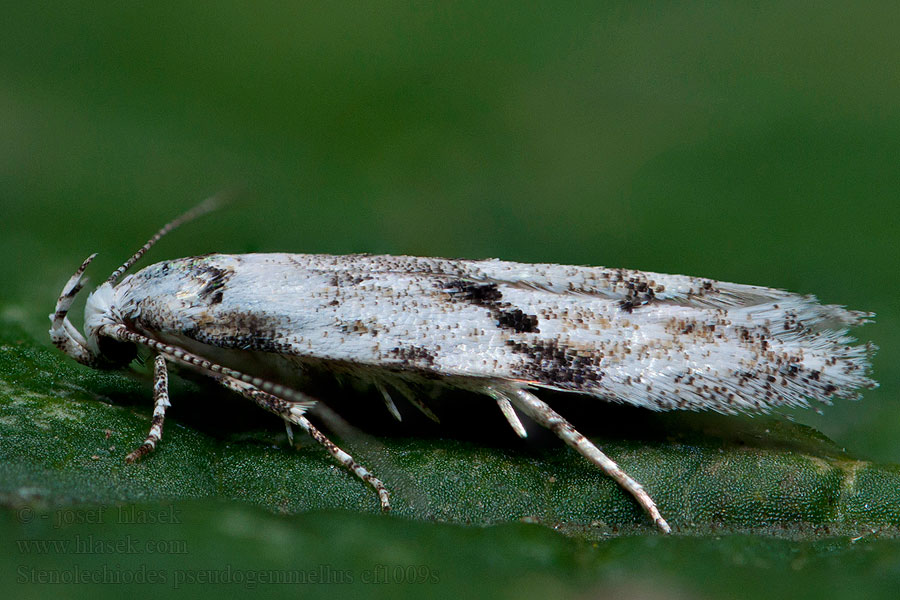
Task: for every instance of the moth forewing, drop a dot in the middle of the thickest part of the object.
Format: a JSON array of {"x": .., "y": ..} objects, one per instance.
[{"x": 500, "y": 328}]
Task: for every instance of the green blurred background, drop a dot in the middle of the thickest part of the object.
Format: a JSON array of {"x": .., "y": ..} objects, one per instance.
[{"x": 755, "y": 143}]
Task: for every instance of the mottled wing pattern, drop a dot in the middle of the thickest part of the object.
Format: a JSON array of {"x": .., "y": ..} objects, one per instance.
[{"x": 653, "y": 340}]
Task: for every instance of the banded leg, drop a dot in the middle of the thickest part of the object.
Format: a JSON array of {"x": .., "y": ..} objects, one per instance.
[
  {"x": 538, "y": 410},
  {"x": 160, "y": 404},
  {"x": 292, "y": 412}
]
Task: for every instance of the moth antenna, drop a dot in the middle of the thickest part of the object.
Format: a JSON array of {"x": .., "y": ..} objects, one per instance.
[
  {"x": 120, "y": 332},
  {"x": 208, "y": 205}
]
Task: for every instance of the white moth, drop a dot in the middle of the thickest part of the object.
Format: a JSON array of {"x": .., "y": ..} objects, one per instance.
[{"x": 504, "y": 329}]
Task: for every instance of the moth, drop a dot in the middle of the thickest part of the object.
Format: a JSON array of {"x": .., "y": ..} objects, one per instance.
[{"x": 502, "y": 329}]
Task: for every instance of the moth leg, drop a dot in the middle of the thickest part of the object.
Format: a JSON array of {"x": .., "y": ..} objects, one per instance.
[
  {"x": 264, "y": 393},
  {"x": 160, "y": 404},
  {"x": 290, "y": 432},
  {"x": 292, "y": 412},
  {"x": 411, "y": 397},
  {"x": 506, "y": 408},
  {"x": 538, "y": 410},
  {"x": 388, "y": 401}
]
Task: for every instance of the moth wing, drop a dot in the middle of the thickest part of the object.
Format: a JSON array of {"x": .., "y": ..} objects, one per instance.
[
  {"x": 660, "y": 341},
  {"x": 629, "y": 287}
]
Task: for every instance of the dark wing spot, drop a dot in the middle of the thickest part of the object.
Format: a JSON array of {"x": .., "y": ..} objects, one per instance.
[
  {"x": 556, "y": 364},
  {"x": 518, "y": 320},
  {"x": 639, "y": 291},
  {"x": 482, "y": 294},
  {"x": 490, "y": 297},
  {"x": 414, "y": 356},
  {"x": 214, "y": 280}
]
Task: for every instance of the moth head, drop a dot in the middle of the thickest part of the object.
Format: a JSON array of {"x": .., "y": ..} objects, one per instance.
[
  {"x": 93, "y": 349},
  {"x": 97, "y": 349}
]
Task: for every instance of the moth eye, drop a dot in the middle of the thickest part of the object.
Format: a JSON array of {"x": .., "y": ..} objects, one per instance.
[{"x": 116, "y": 354}]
